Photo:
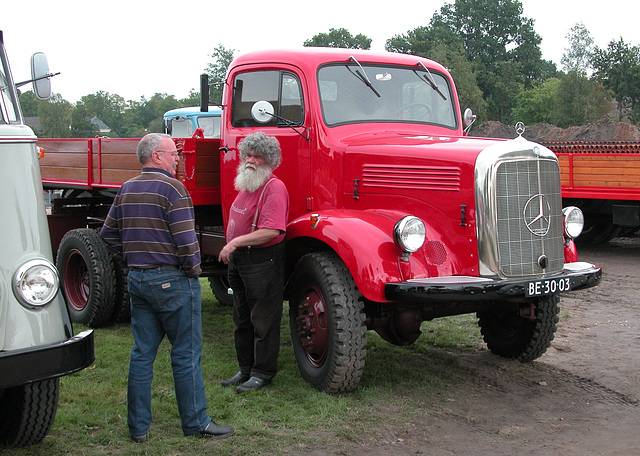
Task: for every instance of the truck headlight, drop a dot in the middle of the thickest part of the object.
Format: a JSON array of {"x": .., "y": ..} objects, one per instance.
[
  {"x": 409, "y": 233},
  {"x": 573, "y": 221},
  {"x": 36, "y": 283}
]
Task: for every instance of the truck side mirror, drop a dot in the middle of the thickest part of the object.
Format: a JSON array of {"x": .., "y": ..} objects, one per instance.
[
  {"x": 468, "y": 119},
  {"x": 40, "y": 76},
  {"x": 262, "y": 111}
]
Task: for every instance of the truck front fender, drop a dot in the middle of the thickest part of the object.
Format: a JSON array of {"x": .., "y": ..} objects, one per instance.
[{"x": 364, "y": 242}]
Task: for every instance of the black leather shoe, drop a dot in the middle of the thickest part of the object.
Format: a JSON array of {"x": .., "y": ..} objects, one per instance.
[
  {"x": 140, "y": 438},
  {"x": 253, "y": 384},
  {"x": 237, "y": 379},
  {"x": 215, "y": 431}
]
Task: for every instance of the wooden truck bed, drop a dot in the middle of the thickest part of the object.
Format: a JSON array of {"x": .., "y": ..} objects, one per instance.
[
  {"x": 599, "y": 170},
  {"x": 106, "y": 163}
]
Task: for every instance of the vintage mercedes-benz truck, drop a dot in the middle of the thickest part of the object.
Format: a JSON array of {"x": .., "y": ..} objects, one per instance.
[
  {"x": 37, "y": 344},
  {"x": 396, "y": 215}
]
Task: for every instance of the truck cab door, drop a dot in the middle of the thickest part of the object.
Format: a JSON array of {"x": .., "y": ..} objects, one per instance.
[{"x": 281, "y": 93}]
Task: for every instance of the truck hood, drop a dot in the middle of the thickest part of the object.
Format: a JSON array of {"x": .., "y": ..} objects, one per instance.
[{"x": 421, "y": 172}]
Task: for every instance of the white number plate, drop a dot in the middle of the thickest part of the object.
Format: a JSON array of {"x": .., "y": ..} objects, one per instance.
[{"x": 547, "y": 286}]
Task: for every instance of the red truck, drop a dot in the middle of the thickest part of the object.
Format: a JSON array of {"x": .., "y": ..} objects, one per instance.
[
  {"x": 602, "y": 178},
  {"x": 396, "y": 216}
]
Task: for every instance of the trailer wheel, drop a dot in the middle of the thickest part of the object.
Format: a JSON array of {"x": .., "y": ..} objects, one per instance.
[
  {"x": 597, "y": 232},
  {"x": 512, "y": 336},
  {"x": 88, "y": 277},
  {"x": 28, "y": 412},
  {"x": 220, "y": 288},
  {"x": 327, "y": 323}
]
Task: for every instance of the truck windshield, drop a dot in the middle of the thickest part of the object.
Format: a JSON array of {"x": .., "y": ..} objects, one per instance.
[{"x": 395, "y": 94}]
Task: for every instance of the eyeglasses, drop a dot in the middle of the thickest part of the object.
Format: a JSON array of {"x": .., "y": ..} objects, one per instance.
[{"x": 175, "y": 153}]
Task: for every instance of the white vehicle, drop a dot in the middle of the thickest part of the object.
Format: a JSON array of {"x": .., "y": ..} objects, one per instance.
[{"x": 37, "y": 344}]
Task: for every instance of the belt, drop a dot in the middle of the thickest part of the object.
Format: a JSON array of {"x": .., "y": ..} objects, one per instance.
[{"x": 162, "y": 267}]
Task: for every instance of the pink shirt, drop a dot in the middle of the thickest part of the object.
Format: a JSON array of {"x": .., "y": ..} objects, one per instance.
[{"x": 273, "y": 213}]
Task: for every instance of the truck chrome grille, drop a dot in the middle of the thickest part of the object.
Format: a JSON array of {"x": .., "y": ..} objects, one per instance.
[{"x": 529, "y": 217}]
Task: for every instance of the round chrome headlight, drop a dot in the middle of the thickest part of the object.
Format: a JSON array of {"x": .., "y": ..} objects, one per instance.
[
  {"x": 409, "y": 233},
  {"x": 36, "y": 283},
  {"x": 573, "y": 221}
]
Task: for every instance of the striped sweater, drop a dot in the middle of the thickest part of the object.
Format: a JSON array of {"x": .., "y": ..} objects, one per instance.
[{"x": 151, "y": 223}]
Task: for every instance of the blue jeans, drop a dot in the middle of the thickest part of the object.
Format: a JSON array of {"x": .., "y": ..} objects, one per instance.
[{"x": 165, "y": 301}]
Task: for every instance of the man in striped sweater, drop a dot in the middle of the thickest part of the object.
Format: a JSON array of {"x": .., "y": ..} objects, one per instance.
[{"x": 151, "y": 225}]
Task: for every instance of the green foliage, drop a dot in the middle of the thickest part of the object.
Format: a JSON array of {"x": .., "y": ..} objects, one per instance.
[
  {"x": 29, "y": 104},
  {"x": 618, "y": 68},
  {"x": 289, "y": 417},
  {"x": 577, "y": 57},
  {"x": 106, "y": 107},
  {"x": 216, "y": 71},
  {"x": 339, "y": 38},
  {"x": 502, "y": 46},
  {"x": 579, "y": 101},
  {"x": 81, "y": 126},
  {"x": 55, "y": 117},
  {"x": 536, "y": 105}
]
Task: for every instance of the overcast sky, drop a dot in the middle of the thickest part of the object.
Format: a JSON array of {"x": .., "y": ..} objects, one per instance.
[{"x": 137, "y": 48}]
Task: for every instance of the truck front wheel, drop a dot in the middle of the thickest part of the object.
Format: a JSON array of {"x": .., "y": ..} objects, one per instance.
[
  {"x": 28, "y": 412},
  {"x": 88, "y": 277},
  {"x": 327, "y": 323},
  {"x": 525, "y": 339}
]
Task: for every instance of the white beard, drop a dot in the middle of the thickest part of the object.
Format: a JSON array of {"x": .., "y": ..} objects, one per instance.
[{"x": 250, "y": 178}]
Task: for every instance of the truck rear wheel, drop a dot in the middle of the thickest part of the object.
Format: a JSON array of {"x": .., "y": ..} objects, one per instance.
[
  {"x": 28, "y": 412},
  {"x": 88, "y": 277},
  {"x": 512, "y": 336},
  {"x": 327, "y": 323},
  {"x": 220, "y": 288}
]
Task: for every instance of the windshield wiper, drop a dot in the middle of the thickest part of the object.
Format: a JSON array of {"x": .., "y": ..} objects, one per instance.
[
  {"x": 363, "y": 76},
  {"x": 430, "y": 80}
]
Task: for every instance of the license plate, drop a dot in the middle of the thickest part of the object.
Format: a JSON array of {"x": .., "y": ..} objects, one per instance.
[{"x": 544, "y": 287}]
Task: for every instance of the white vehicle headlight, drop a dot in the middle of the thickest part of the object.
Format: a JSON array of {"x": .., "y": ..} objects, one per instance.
[
  {"x": 573, "y": 221},
  {"x": 409, "y": 233},
  {"x": 36, "y": 283}
]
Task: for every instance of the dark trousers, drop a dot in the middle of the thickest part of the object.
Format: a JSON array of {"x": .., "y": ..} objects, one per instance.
[{"x": 257, "y": 279}]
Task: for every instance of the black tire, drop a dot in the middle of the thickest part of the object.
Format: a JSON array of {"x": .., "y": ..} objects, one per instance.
[
  {"x": 327, "y": 323},
  {"x": 597, "y": 232},
  {"x": 220, "y": 287},
  {"x": 88, "y": 277},
  {"x": 28, "y": 412},
  {"x": 122, "y": 302},
  {"x": 512, "y": 336}
]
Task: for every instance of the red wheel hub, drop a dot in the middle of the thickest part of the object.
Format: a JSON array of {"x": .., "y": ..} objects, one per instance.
[{"x": 312, "y": 327}]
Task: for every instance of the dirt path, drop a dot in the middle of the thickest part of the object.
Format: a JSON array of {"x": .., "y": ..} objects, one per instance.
[{"x": 580, "y": 398}]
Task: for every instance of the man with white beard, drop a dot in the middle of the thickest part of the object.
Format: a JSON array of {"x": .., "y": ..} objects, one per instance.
[{"x": 255, "y": 255}]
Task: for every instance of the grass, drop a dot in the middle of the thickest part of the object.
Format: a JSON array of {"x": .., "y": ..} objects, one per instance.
[{"x": 290, "y": 417}]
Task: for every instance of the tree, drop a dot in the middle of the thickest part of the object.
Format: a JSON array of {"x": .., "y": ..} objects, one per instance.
[
  {"x": 339, "y": 38},
  {"x": 217, "y": 72},
  {"x": 618, "y": 68},
  {"x": 497, "y": 38},
  {"x": 577, "y": 57},
  {"x": 81, "y": 126},
  {"x": 29, "y": 104},
  {"x": 536, "y": 105},
  {"x": 55, "y": 117},
  {"x": 145, "y": 116},
  {"x": 106, "y": 107},
  {"x": 579, "y": 101}
]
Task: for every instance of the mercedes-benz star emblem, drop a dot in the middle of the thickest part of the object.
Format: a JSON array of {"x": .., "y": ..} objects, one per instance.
[{"x": 537, "y": 215}]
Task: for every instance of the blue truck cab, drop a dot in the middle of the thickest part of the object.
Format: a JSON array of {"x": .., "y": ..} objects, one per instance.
[{"x": 183, "y": 122}]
